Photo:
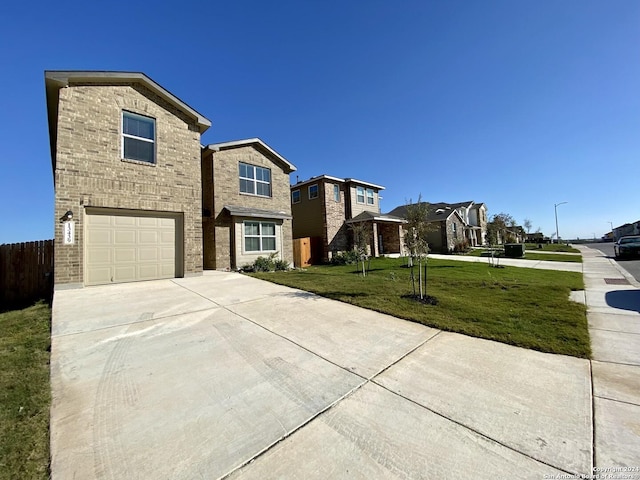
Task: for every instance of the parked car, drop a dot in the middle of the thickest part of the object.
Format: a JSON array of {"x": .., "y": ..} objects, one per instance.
[{"x": 627, "y": 246}]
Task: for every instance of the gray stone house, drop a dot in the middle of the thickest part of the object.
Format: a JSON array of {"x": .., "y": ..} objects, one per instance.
[
  {"x": 246, "y": 207},
  {"x": 126, "y": 161},
  {"x": 449, "y": 227},
  {"x": 324, "y": 207}
]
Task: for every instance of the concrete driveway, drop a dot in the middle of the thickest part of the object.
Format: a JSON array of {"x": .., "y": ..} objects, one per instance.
[{"x": 228, "y": 376}]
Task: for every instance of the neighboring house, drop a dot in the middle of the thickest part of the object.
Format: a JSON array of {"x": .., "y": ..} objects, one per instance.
[
  {"x": 474, "y": 216},
  {"x": 323, "y": 207},
  {"x": 626, "y": 229},
  {"x": 245, "y": 201},
  {"x": 448, "y": 227},
  {"x": 126, "y": 159}
]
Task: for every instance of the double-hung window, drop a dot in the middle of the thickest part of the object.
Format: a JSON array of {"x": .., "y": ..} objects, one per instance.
[
  {"x": 138, "y": 137},
  {"x": 360, "y": 194},
  {"x": 336, "y": 193},
  {"x": 370, "y": 198},
  {"x": 295, "y": 196},
  {"x": 313, "y": 192},
  {"x": 259, "y": 236},
  {"x": 255, "y": 180}
]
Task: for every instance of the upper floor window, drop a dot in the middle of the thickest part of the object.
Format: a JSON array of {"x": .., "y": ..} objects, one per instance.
[
  {"x": 370, "y": 198},
  {"x": 295, "y": 196},
  {"x": 138, "y": 137},
  {"x": 313, "y": 192},
  {"x": 360, "y": 194},
  {"x": 336, "y": 193},
  {"x": 255, "y": 180}
]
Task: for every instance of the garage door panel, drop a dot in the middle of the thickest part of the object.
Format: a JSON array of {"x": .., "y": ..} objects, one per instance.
[
  {"x": 122, "y": 248},
  {"x": 148, "y": 237},
  {"x": 124, "y": 237},
  {"x": 123, "y": 221},
  {"x": 124, "y": 255}
]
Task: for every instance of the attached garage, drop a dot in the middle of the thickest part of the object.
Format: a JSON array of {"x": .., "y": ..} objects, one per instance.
[{"x": 132, "y": 245}]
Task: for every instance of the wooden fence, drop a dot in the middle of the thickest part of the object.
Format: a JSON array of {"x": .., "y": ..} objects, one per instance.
[{"x": 26, "y": 273}]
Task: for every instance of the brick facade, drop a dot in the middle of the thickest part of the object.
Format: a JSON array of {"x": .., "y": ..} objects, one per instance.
[
  {"x": 223, "y": 245},
  {"x": 89, "y": 170}
]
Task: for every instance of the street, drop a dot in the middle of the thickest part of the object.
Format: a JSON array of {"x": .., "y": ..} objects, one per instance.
[{"x": 630, "y": 265}]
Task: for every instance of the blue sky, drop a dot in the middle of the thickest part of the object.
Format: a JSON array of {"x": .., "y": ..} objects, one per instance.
[{"x": 517, "y": 104}]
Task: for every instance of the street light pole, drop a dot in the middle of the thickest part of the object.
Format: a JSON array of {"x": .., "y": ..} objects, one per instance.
[
  {"x": 555, "y": 207},
  {"x": 613, "y": 237}
]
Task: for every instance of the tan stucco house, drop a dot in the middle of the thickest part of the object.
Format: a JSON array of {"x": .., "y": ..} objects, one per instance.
[
  {"x": 324, "y": 207},
  {"x": 246, "y": 207},
  {"x": 128, "y": 161}
]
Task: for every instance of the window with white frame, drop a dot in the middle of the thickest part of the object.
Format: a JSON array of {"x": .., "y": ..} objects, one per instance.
[
  {"x": 360, "y": 194},
  {"x": 138, "y": 137},
  {"x": 313, "y": 192},
  {"x": 259, "y": 236},
  {"x": 370, "y": 198},
  {"x": 255, "y": 180},
  {"x": 336, "y": 193},
  {"x": 295, "y": 196}
]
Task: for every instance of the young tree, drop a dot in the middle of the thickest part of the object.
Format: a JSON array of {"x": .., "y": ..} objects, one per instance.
[
  {"x": 361, "y": 235},
  {"x": 415, "y": 239},
  {"x": 497, "y": 227},
  {"x": 527, "y": 225}
]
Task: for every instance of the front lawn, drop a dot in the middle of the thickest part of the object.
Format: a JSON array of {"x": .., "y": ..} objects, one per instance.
[
  {"x": 552, "y": 247},
  {"x": 24, "y": 392},
  {"x": 519, "y": 306}
]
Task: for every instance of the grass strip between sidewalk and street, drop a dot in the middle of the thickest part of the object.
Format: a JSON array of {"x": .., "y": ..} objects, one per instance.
[
  {"x": 532, "y": 255},
  {"x": 25, "y": 339},
  {"x": 519, "y": 306}
]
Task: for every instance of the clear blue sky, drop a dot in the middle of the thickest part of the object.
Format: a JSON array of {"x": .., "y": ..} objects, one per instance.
[{"x": 518, "y": 104}]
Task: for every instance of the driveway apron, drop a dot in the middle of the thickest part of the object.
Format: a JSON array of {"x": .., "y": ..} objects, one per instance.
[{"x": 225, "y": 376}]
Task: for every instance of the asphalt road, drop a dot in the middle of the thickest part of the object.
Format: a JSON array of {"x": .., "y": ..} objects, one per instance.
[{"x": 630, "y": 265}]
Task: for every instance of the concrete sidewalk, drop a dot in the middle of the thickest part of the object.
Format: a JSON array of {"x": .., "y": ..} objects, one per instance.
[
  {"x": 225, "y": 375},
  {"x": 515, "y": 262},
  {"x": 613, "y": 301}
]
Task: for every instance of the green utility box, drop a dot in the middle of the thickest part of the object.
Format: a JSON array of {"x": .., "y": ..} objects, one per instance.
[{"x": 514, "y": 250}]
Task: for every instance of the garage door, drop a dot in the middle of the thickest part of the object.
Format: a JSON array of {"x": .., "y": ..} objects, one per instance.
[{"x": 129, "y": 248}]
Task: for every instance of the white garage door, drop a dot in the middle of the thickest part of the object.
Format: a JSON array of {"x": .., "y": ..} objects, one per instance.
[{"x": 129, "y": 248}]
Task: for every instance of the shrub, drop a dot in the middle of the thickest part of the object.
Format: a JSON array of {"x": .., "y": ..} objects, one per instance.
[
  {"x": 461, "y": 247},
  {"x": 281, "y": 265},
  {"x": 344, "y": 258},
  {"x": 263, "y": 264}
]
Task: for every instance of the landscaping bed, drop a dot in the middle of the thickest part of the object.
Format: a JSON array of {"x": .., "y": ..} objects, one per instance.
[{"x": 519, "y": 306}]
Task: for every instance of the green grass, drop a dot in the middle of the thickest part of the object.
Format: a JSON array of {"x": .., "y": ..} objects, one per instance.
[
  {"x": 532, "y": 255},
  {"x": 24, "y": 392},
  {"x": 552, "y": 247},
  {"x": 519, "y": 306}
]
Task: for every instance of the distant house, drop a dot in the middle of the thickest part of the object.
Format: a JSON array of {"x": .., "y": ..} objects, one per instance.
[
  {"x": 626, "y": 229},
  {"x": 448, "y": 226},
  {"x": 245, "y": 204},
  {"x": 324, "y": 207}
]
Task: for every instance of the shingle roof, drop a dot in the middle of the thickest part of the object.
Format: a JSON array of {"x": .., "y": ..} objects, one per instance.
[
  {"x": 237, "y": 211},
  {"x": 378, "y": 217}
]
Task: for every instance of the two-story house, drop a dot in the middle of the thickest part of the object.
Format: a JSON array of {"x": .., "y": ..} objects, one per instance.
[
  {"x": 126, "y": 160},
  {"x": 246, "y": 207},
  {"x": 324, "y": 207},
  {"x": 129, "y": 174},
  {"x": 453, "y": 224}
]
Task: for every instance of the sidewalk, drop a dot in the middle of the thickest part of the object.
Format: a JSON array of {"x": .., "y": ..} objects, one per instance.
[
  {"x": 515, "y": 262},
  {"x": 613, "y": 303}
]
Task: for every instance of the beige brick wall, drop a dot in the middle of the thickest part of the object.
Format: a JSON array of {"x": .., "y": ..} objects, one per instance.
[
  {"x": 90, "y": 171},
  {"x": 221, "y": 242},
  {"x": 335, "y": 230}
]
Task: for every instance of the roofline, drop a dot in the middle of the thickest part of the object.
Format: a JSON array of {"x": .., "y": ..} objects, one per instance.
[
  {"x": 336, "y": 179},
  {"x": 216, "y": 147},
  {"x": 54, "y": 80},
  {"x": 315, "y": 179},
  {"x": 368, "y": 184},
  {"x": 62, "y": 78},
  {"x": 380, "y": 218}
]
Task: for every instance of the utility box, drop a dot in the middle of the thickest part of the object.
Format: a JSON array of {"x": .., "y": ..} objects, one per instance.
[{"x": 514, "y": 250}]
